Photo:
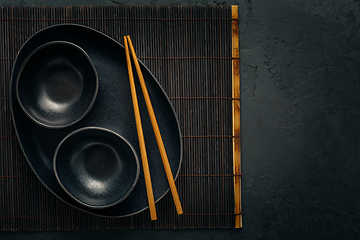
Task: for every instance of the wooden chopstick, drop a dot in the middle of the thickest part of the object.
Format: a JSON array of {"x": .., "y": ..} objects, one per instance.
[
  {"x": 145, "y": 164},
  {"x": 156, "y": 131}
]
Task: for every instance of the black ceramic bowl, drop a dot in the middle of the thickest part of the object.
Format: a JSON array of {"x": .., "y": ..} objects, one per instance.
[
  {"x": 57, "y": 84},
  {"x": 96, "y": 166}
]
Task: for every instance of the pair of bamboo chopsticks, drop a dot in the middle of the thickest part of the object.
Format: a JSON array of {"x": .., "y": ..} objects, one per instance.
[{"x": 127, "y": 41}]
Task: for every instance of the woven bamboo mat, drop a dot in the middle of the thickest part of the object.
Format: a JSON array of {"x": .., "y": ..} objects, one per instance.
[{"x": 189, "y": 50}]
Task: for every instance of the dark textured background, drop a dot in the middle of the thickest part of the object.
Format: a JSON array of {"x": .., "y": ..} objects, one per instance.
[{"x": 300, "y": 109}]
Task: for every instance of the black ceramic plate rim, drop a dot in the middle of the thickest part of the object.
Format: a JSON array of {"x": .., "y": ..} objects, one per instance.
[
  {"x": 143, "y": 65},
  {"x": 118, "y": 136},
  {"x": 24, "y": 65}
]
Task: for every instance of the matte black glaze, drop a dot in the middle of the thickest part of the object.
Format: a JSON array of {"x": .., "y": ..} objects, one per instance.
[
  {"x": 96, "y": 166},
  {"x": 112, "y": 109},
  {"x": 57, "y": 84}
]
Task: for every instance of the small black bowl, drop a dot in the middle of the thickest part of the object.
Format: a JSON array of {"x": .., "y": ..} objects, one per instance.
[
  {"x": 57, "y": 84},
  {"x": 97, "y": 167}
]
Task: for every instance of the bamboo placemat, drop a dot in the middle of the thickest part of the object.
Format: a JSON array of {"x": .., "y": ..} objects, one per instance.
[{"x": 193, "y": 52}]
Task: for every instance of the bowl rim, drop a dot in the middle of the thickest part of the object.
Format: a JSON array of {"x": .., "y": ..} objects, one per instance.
[
  {"x": 36, "y": 120},
  {"x": 119, "y": 137}
]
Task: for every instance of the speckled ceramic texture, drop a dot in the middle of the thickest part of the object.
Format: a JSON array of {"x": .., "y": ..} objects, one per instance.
[{"x": 96, "y": 166}]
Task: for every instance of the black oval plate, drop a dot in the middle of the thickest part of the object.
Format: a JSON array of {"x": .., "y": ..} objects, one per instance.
[{"x": 112, "y": 109}]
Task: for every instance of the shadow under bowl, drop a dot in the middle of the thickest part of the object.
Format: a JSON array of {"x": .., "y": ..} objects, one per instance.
[
  {"x": 97, "y": 167},
  {"x": 57, "y": 84}
]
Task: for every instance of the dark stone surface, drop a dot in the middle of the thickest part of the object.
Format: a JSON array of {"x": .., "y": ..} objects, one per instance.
[
  {"x": 300, "y": 113},
  {"x": 300, "y": 109}
]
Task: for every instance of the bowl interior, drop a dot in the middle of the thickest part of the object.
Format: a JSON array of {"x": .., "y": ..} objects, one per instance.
[
  {"x": 57, "y": 85},
  {"x": 97, "y": 167}
]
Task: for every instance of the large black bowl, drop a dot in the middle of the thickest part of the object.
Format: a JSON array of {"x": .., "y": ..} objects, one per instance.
[
  {"x": 96, "y": 166},
  {"x": 57, "y": 84}
]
